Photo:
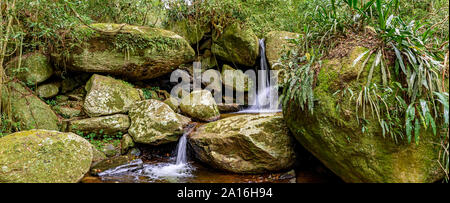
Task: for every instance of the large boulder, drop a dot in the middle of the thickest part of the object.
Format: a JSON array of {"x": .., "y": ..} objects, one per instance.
[
  {"x": 232, "y": 78},
  {"x": 27, "y": 110},
  {"x": 237, "y": 44},
  {"x": 154, "y": 122},
  {"x": 42, "y": 156},
  {"x": 136, "y": 52},
  {"x": 105, "y": 124},
  {"x": 106, "y": 96},
  {"x": 200, "y": 105},
  {"x": 245, "y": 144},
  {"x": 335, "y": 137},
  {"x": 278, "y": 43},
  {"x": 35, "y": 68}
]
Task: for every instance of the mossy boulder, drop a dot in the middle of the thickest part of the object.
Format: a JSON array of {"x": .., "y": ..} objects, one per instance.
[
  {"x": 67, "y": 112},
  {"x": 27, "y": 110},
  {"x": 192, "y": 31},
  {"x": 154, "y": 122},
  {"x": 245, "y": 144},
  {"x": 200, "y": 105},
  {"x": 126, "y": 143},
  {"x": 135, "y": 52},
  {"x": 106, "y": 96},
  {"x": 277, "y": 44},
  {"x": 35, "y": 68},
  {"x": 236, "y": 79},
  {"x": 237, "y": 44},
  {"x": 335, "y": 137},
  {"x": 106, "y": 124},
  {"x": 42, "y": 156},
  {"x": 48, "y": 90}
]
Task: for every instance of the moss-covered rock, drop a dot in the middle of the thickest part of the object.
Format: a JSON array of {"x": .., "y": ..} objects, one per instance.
[
  {"x": 200, "y": 105},
  {"x": 110, "y": 163},
  {"x": 192, "y": 31},
  {"x": 335, "y": 137},
  {"x": 27, "y": 110},
  {"x": 67, "y": 112},
  {"x": 237, "y": 44},
  {"x": 42, "y": 156},
  {"x": 105, "y": 124},
  {"x": 136, "y": 52},
  {"x": 154, "y": 122},
  {"x": 106, "y": 96},
  {"x": 35, "y": 68},
  {"x": 277, "y": 44},
  {"x": 245, "y": 144},
  {"x": 48, "y": 90},
  {"x": 173, "y": 103},
  {"x": 126, "y": 143},
  {"x": 236, "y": 79}
]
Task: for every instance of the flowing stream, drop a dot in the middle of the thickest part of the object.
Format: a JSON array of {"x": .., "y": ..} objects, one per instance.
[{"x": 266, "y": 98}]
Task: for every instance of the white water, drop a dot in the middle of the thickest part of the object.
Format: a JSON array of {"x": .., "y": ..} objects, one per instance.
[{"x": 266, "y": 99}]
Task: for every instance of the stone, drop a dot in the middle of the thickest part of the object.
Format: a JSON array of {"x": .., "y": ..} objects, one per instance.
[
  {"x": 43, "y": 156},
  {"x": 245, "y": 144},
  {"x": 48, "y": 90},
  {"x": 67, "y": 112},
  {"x": 109, "y": 125},
  {"x": 110, "y": 163},
  {"x": 335, "y": 137},
  {"x": 236, "y": 79},
  {"x": 154, "y": 122},
  {"x": 134, "y": 52},
  {"x": 237, "y": 44},
  {"x": 200, "y": 105},
  {"x": 278, "y": 44},
  {"x": 192, "y": 31},
  {"x": 35, "y": 68},
  {"x": 106, "y": 96},
  {"x": 109, "y": 150},
  {"x": 126, "y": 143},
  {"x": 27, "y": 110}
]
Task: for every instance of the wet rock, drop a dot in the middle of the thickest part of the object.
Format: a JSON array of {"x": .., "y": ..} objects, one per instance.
[
  {"x": 126, "y": 143},
  {"x": 110, "y": 163},
  {"x": 335, "y": 137},
  {"x": 35, "y": 68},
  {"x": 245, "y": 144},
  {"x": 236, "y": 44},
  {"x": 48, "y": 90},
  {"x": 155, "y": 52},
  {"x": 277, "y": 44},
  {"x": 228, "y": 108},
  {"x": 200, "y": 105},
  {"x": 105, "y": 124},
  {"x": 109, "y": 150},
  {"x": 236, "y": 79},
  {"x": 97, "y": 155},
  {"x": 154, "y": 122},
  {"x": 42, "y": 156},
  {"x": 27, "y": 110},
  {"x": 106, "y": 96}
]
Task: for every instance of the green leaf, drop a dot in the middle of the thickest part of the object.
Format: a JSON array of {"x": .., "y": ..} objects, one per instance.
[{"x": 417, "y": 131}]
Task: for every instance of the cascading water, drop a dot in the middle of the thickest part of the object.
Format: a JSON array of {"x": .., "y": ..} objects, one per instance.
[
  {"x": 171, "y": 171},
  {"x": 266, "y": 98}
]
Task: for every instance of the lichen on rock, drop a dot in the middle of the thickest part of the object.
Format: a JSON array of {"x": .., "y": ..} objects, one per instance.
[{"x": 200, "y": 105}]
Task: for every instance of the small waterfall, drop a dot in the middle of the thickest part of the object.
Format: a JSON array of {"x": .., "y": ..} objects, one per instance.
[{"x": 266, "y": 98}]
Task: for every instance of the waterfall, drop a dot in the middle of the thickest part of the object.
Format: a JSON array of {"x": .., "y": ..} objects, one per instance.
[
  {"x": 266, "y": 98},
  {"x": 181, "y": 150}
]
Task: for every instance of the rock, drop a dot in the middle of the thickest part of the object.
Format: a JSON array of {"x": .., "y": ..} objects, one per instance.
[
  {"x": 278, "y": 44},
  {"x": 105, "y": 125},
  {"x": 61, "y": 98},
  {"x": 192, "y": 31},
  {"x": 97, "y": 156},
  {"x": 110, "y": 163},
  {"x": 233, "y": 78},
  {"x": 228, "y": 108},
  {"x": 74, "y": 81},
  {"x": 35, "y": 68},
  {"x": 109, "y": 150},
  {"x": 27, "y": 110},
  {"x": 200, "y": 105},
  {"x": 106, "y": 96},
  {"x": 336, "y": 139},
  {"x": 42, "y": 156},
  {"x": 48, "y": 90},
  {"x": 184, "y": 120},
  {"x": 135, "y": 52},
  {"x": 245, "y": 144},
  {"x": 154, "y": 122},
  {"x": 67, "y": 112},
  {"x": 237, "y": 44},
  {"x": 126, "y": 143},
  {"x": 173, "y": 103}
]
